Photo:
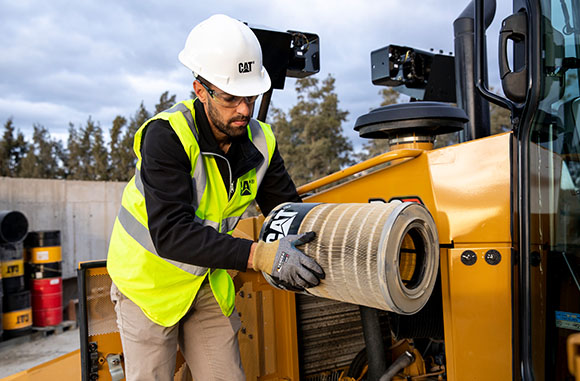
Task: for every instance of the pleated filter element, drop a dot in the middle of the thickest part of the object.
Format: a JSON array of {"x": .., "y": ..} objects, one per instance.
[{"x": 381, "y": 255}]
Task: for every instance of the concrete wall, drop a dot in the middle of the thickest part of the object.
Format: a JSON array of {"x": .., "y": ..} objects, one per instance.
[{"x": 84, "y": 212}]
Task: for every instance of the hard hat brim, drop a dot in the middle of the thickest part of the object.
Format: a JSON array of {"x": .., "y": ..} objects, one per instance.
[{"x": 251, "y": 87}]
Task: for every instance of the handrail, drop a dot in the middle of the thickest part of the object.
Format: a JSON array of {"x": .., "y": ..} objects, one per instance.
[
  {"x": 383, "y": 158},
  {"x": 480, "y": 57}
]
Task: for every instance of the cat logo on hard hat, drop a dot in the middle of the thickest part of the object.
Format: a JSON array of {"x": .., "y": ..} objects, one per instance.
[{"x": 245, "y": 67}]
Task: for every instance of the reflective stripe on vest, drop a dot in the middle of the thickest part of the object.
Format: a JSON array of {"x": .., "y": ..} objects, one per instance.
[{"x": 141, "y": 234}]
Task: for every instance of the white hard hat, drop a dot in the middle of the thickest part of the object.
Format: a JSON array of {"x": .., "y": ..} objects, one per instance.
[{"x": 226, "y": 53}]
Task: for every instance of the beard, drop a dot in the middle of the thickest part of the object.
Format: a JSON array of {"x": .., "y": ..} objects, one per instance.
[{"x": 227, "y": 127}]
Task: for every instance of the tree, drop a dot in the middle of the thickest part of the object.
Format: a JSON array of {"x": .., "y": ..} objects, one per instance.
[
  {"x": 116, "y": 149},
  {"x": 12, "y": 150},
  {"x": 87, "y": 156},
  {"x": 73, "y": 161},
  {"x": 127, "y": 158},
  {"x": 99, "y": 156},
  {"x": 445, "y": 140},
  {"x": 500, "y": 120},
  {"x": 376, "y": 147},
  {"x": 85, "y": 152},
  {"x": 165, "y": 102},
  {"x": 43, "y": 159},
  {"x": 310, "y": 138}
]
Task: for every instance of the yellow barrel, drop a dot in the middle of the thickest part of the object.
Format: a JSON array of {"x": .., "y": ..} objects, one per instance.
[
  {"x": 381, "y": 255},
  {"x": 16, "y": 314},
  {"x": 44, "y": 254}
]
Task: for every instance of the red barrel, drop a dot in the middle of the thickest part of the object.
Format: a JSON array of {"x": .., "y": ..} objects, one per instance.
[
  {"x": 45, "y": 269},
  {"x": 46, "y": 301}
]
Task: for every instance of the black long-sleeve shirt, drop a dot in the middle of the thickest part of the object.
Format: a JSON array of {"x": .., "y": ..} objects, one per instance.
[{"x": 168, "y": 190}]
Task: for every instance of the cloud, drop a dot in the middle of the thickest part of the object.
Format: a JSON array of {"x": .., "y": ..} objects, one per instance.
[
  {"x": 65, "y": 61},
  {"x": 27, "y": 112}
]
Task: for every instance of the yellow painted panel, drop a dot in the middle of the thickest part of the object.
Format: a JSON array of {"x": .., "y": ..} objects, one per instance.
[
  {"x": 466, "y": 187},
  {"x": 269, "y": 345},
  {"x": 108, "y": 344},
  {"x": 477, "y": 315},
  {"x": 472, "y": 189},
  {"x": 249, "y": 336},
  {"x": 268, "y": 327},
  {"x": 66, "y": 367}
]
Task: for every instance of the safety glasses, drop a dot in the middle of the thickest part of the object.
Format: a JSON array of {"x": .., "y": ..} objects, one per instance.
[{"x": 227, "y": 100}]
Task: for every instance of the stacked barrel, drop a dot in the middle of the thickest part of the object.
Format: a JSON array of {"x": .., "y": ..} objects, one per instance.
[
  {"x": 16, "y": 309},
  {"x": 44, "y": 261}
]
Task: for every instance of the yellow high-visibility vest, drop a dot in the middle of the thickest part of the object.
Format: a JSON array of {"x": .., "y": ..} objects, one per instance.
[{"x": 165, "y": 289}]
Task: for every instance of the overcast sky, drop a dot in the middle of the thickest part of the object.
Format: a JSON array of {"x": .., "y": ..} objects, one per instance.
[{"x": 63, "y": 61}]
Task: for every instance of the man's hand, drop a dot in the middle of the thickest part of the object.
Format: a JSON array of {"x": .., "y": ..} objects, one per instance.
[{"x": 284, "y": 261}]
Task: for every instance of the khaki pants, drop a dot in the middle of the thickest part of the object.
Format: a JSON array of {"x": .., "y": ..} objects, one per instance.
[{"x": 207, "y": 339}]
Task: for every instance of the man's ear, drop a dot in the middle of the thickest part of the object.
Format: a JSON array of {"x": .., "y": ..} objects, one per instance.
[{"x": 200, "y": 92}]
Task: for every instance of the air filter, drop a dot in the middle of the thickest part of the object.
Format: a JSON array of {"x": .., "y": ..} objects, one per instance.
[{"x": 381, "y": 255}]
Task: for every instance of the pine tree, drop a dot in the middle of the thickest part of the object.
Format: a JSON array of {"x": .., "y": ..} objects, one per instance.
[
  {"x": 29, "y": 165},
  {"x": 73, "y": 163},
  {"x": 126, "y": 154},
  {"x": 499, "y": 118},
  {"x": 43, "y": 158},
  {"x": 19, "y": 150},
  {"x": 12, "y": 150},
  {"x": 310, "y": 138},
  {"x": 376, "y": 147},
  {"x": 165, "y": 102},
  {"x": 6, "y": 145},
  {"x": 99, "y": 156},
  {"x": 85, "y": 151},
  {"x": 117, "y": 172}
]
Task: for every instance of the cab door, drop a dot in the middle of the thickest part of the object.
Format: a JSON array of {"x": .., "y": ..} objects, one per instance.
[{"x": 549, "y": 192}]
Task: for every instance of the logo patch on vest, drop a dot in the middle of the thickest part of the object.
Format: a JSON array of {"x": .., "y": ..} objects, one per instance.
[
  {"x": 245, "y": 189},
  {"x": 245, "y": 67}
]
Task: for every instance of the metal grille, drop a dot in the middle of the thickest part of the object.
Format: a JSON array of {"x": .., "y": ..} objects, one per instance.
[
  {"x": 101, "y": 311},
  {"x": 330, "y": 334}
]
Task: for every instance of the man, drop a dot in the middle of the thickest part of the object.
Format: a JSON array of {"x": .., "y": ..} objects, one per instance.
[{"x": 200, "y": 165}]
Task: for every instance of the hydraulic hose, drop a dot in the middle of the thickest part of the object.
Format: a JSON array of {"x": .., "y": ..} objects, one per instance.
[
  {"x": 371, "y": 325},
  {"x": 399, "y": 364}
]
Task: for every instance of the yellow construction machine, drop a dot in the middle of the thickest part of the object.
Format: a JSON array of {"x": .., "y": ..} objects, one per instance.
[{"x": 481, "y": 279}]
